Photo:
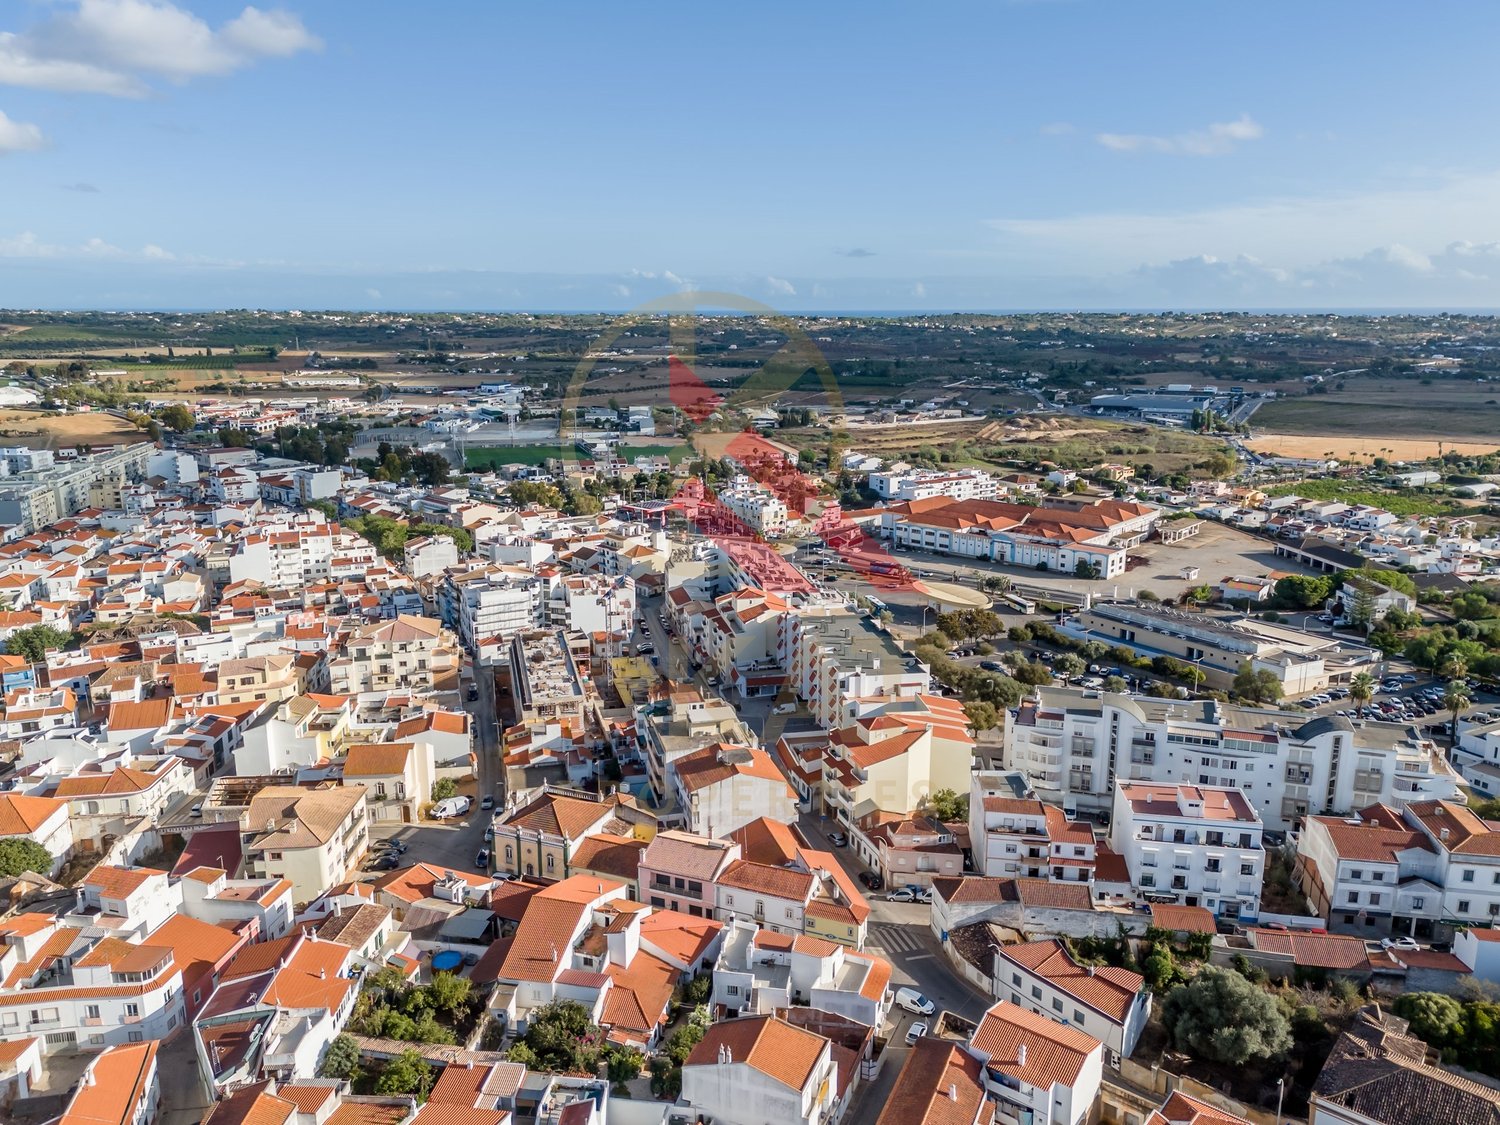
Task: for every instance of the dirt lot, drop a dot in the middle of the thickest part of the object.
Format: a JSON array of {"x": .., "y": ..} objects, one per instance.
[
  {"x": 42, "y": 431},
  {"x": 1363, "y": 449}
]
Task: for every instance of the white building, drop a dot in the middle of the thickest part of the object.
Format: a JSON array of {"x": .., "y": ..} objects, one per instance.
[
  {"x": 722, "y": 788},
  {"x": 757, "y": 1069},
  {"x": 1113, "y": 1005},
  {"x": 1073, "y": 746},
  {"x": 1423, "y": 870},
  {"x": 429, "y": 554},
  {"x": 759, "y": 971},
  {"x": 1036, "y": 1070},
  {"x": 41, "y": 820},
  {"x": 1190, "y": 844}
]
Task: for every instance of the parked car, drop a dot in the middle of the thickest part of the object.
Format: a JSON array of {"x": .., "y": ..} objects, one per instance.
[
  {"x": 837, "y": 839},
  {"x": 487, "y": 803},
  {"x": 872, "y": 880},
  {"x": 914, "y": 1032},
  {"x": 991, "y": 666},
  {"x": 1399, "y": 943},
  {"x": 473, "y": 693},
  {"x": 482, "y": 860},
  {"x": 901, "y": 894},
  {"x": 386, "y": 861},
  {"x": 913, "y": 1001},
  {"x": 922, "y": 894}
]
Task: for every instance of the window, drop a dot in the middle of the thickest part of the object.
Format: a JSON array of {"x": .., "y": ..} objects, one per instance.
[
  {"x": 1247, "y": 869},
  {"x": 1375, "y": 899},
  {"x": 510, "y": 854},
  {"x": 658, "y": 902},
  {"x": 135, "y": 1036},
  {"x": 275, "y": 855},
  {"x": 732, "y": 990},
  {"x": 1463, "y": 906},
  {"x": 1468, "y": 875},
  {"x": 1077, "y": 1016},
  {"x": 790, "y": 913},
  {"x": 1378, "y": 876},
  {"x": 1057, "y": 1005},
  {"x": 1356, "y": 874},
  {"x": 132, "y": 1009},
  {"x": 91, "y": 1011},
  {"x": 1015, "y": 979},
  {"x": 1353, "y": 897},
  {"x": 551, "y": 862},
  {"x": 1416, "y": 903},
  {"x": 1036, "y": 992},
  {"x": 728, "y": 900}
]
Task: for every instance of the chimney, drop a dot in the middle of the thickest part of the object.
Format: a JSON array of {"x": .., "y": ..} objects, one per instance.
[
  {"x": 1443, "y": 835},
  {"x": 953, "y": 1091},
  {"x": 1021, "y": 1055}
]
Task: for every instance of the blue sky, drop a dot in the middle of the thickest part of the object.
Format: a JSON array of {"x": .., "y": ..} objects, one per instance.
[{"x": 1031, "y": 154}]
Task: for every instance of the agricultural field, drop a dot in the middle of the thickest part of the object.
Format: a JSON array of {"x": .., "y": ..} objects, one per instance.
[
  {"x": 1352, "y": 449},
  {"x": 1066, "y": 441},
  {"x": 40, "y": 430},
  {"x": 1369, "y": 409}
]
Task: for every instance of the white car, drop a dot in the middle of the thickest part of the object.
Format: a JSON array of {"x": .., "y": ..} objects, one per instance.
[
  {"x": 915, "y": 1032},
  {"x": 1400, "y": 943},
  {"x": 905, "y": 894},
  {"x": 913, "y": 1001}
]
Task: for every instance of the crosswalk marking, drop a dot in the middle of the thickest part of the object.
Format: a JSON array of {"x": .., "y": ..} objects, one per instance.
[{"x": 894, "y": 939}]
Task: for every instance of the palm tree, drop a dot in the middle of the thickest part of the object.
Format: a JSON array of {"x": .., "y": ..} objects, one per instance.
[
  {"x": 1362, "y": 690},
  {"x": 1455, "y": 667},
  {"x": 1456, "y": 700}
]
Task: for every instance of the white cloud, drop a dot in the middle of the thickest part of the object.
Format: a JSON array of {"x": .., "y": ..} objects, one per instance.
[
  {"x": 1218, "y": 138},
  {"x": 781, "y": 286},
  {"x": 18, "y": 136},
  {"x": 113, "y": 46},
  {"x": 28, "y": 245},
  {"x": 1290, "y": 230},
  {"x": 919, "y": 290}
]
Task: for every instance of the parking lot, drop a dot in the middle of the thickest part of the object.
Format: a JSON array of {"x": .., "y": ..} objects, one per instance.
[{"x": 1217, "y": 552}]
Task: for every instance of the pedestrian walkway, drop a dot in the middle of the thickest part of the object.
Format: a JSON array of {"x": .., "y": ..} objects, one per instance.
[{"x": 893, "y": 938}]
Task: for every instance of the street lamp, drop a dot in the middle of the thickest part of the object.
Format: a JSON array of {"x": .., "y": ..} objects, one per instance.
[{"x": 1280, "y": 1093}]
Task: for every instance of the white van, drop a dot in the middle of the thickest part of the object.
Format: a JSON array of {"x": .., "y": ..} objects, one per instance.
[
  {"x": 913, "y": 1001},
  {"x": 451, "y": 807}
]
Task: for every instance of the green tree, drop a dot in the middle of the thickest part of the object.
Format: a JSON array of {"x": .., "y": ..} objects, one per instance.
[
  {"x": 947, "y": 805},
  {"x": 1302, "y": 591},
  {"x": 1456, "y": 700},
  {"x": 624, "y": 1064},
  {"x": 534, "y": 494},
  {"x": 679, "y": 1045},
  {"x": 1220, "y": 1016},
  {"x": 1256, "y": 685},
  {"x": 561, "y": 1037},
  {"x": 981, "y": 715},
  {"x": 1114, "y": 683},
  {"x": 34, "y": 642},
  {"x": 449, "y": 992},
  {"x": 1361, "y": 691},
  {"x": 1434, "y": 1017},
  {"x": 407, "y": 1073},
  {"x": 443, "y": 788},
  {"x": 18, "y": 854},
  {"x": 176, "y": 417},
  {"x": 341, "y": 1060}
]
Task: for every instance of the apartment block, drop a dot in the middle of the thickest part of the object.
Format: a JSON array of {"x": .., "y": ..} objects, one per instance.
[
  {"x": 1192, "y": 845},
  {"x": 1074, "y": 745}
]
